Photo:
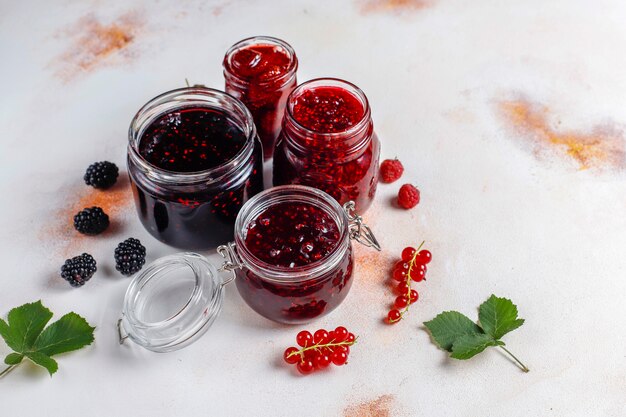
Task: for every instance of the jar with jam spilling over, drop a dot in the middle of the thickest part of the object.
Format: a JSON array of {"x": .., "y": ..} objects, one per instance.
[
  {"x": 328, "y": 142},
  {"x": 194, "y": 159},
  {"x": 261, "y": 72},
  {"x": 291, "y": 261}
]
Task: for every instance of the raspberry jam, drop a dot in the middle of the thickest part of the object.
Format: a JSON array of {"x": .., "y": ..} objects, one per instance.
[
  {"x": 296, "y": 249},
  {"x": 328, "y": 142},
  {"x": 261, "y": 72},
  {"x": 193, "y": 159}
]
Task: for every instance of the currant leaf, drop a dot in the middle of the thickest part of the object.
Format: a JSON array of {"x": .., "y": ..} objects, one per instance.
[
  {"x": 70, "y": 332},
  {"x": 449, "y": 326},
  {"x": 43, "y": 360},
  {"x": 13, "y": 358},
  {"x": 468, "y": 346},
  {"x": 498, "y": 316}
]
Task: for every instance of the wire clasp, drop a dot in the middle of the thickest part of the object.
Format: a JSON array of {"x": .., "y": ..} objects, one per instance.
[{"x": 360, "y": 231}]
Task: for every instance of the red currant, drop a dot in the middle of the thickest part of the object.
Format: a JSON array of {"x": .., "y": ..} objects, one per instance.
[
  {"x": 401, "y": 301},
  {"x": 393, "y": 316},
  {"x": 417, "y": 274},
  {"x": 320, "y": 336},
  {"x": 424, "y": 256},
  {"x": 414, "y": 296},
  {"x": 408, "y": 253},
  {"x": 351, "y": 338},
  {"x": 341, "y": 333},
  {"x": 289, "y": 358},
  {"x": 339, "y": 358},
  {"x": 305, "y": 367},
  {"x": 304, "y": 338},
  {"x": 399, "y": 274},
  {"x": 321, "y": 361},
  {"x": 331, "y": 336},
  {"x": 403, "y": 288}
]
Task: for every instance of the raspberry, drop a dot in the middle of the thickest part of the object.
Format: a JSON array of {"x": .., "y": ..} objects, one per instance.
[
  {"x": 408, "y": 196},
  {"x": 391, "y": 170}
]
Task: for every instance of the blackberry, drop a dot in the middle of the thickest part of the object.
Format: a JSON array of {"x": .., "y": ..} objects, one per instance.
[
  {"x": 130, "y": 255},
  {"x": 79, "y": 269},
  {"x": 91, "y": 221},
  {"x": 101, "y": 174}
]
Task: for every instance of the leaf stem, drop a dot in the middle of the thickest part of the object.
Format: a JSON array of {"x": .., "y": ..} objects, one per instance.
[
  {"x": 7, "y": 370},
  {"x": 521, "y": 365}
]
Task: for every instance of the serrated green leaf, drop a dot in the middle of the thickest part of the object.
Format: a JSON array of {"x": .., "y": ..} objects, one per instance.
[
  {"x": 70, "y": 332},
  {"x": 467, "y": 346},
  {"x": 13, "y": 358},
  {"x": 448, "y": 326},
  {"x": 25, "y": 323},
  {"x": 43, "y": 360},
  {"x": 498, "y": 316}
]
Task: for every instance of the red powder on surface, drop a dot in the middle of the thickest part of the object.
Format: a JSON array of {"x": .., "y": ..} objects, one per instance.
[
  {"x": 601, "y": 147},
  {"x": 380, "y": 407},
  {"x": 374, "y": 6},
  {"x": 95, "y": 43},
  {"x": 113, "y": 202}
]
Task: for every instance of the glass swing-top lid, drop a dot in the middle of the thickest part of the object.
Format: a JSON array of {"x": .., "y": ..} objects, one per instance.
[{"x": 171, "y": 303}]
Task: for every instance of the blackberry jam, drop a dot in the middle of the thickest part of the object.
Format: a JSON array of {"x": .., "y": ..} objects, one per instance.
[
  {"x": 328, "y": 142},
  {"x": 261, "y": 72},
  {"x": 193, "y": 159}
]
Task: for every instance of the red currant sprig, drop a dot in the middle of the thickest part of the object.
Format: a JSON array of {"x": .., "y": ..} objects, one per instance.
[
  {"x": 320, "y": 349},
  {"x": 412, "y": 267}
]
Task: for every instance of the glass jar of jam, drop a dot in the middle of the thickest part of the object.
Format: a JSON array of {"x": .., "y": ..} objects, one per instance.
[
  {"x": 328, "y": 142},
  {"x": 194, "y": 159},
  {"x": 261, "y": 72},
  {"x": 291, "y": 261}
]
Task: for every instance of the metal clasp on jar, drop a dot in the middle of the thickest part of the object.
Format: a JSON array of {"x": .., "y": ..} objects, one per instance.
[
  {"x": 232, "y": 261},
  {"x": 360, "y": 231}
]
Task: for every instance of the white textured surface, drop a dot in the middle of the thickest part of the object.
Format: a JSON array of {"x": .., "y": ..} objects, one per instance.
[{"x": 497, "y": 218}]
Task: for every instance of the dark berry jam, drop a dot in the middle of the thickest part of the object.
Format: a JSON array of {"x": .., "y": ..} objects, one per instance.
[
  {"x": 261, "y": 72},
  {"x": 192, "y": 168},
  {"x": 292, "y": 234},
  {"x": 310, "y": 248},
  {"x": 327, "y": 109},
  {"x": 191, "y": 139},
  {"x": 338, "y": 152}
]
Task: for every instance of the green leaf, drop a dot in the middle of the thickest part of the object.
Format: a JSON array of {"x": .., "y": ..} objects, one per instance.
[
  {"x": 498, "y": 316},
  {"x": 43, "y": 360},
  {"x": 70, "y": 332},
  {"x": 448, "y": 326},
  {"x": 13, "y": 358},
  {"x": 25, "y": 323},
  {"x": 469, "y": 345}
]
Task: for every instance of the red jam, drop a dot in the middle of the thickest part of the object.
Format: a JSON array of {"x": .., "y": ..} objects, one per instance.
[
  {"x": 295, "y": 235},
  {"x": 189, "y": 142},
  {"x": 261, "y": 73},
  {"x": 327, "y": 109},
  {"x": 328, "y": 142}
]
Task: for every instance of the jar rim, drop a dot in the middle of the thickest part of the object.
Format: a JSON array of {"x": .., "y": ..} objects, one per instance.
[
  {"x": 350, "y": 132},
  {"x": 300, "y": 193},
  {"x": 283, "y": 78},
  {"x": 181, "y": 98}
]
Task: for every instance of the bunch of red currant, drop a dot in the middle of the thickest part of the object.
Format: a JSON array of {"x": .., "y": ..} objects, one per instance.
[
  {"x": 412, "y": 267},
  {"x": 320, "y": 349}
]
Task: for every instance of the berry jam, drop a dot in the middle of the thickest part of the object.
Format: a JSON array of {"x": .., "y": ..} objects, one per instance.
[
  {"x": 261, "y": 72},
  {"x": 294, "y": 236},
  {"x": 191, "y": 139},
  {"x": 327, "y": 109},
  {"x": 328, "y": 142},
  {"x": 193, "y": 167}
]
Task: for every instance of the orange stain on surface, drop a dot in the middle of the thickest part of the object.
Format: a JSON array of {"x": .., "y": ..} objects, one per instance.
[
  {"x": 380, "y": 407},
  {"x": 95, "y": 44},
  {"x": 601, "y": 147},
  {"x": 373, "y": 6}
]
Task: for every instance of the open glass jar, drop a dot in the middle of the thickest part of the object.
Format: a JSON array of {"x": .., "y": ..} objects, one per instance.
[
  {"x": 194, "y": 159},
  {"x": 175, "y": 299},
  {"x": 328, "y": 142}
]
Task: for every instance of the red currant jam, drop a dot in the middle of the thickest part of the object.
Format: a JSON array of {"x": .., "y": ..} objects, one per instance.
[
  {"x": 328, "y": 142},
  {"x": 295, "y": 236},
  {"x": 327, "y": 109},
  {"x": 193, "y": 167},
  {"x": 261, "y": 72}
]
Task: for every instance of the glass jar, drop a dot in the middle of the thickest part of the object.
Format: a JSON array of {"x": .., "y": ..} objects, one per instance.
[
  {"x": 174, "y": 300},
  {"x": 192, "y": 202},
  {"x": 328, "y": 142},
  {"x": 261, "y": 72}
]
